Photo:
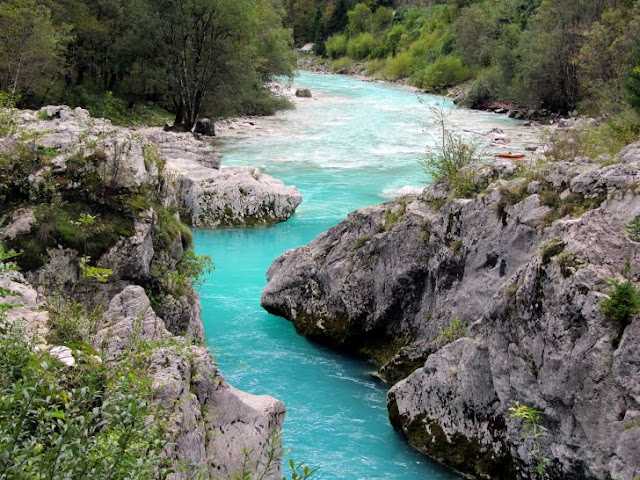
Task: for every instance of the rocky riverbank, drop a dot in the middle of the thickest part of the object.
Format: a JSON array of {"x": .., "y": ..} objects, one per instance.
[
  {"x": 95, "y": 212},
  {"x": 211, "y": 195},
  {"x": 470, "y": 305},
  {"x": 459, "y": 93}
]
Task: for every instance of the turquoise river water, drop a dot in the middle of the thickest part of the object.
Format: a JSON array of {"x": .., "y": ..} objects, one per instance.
[{"x": 353, "y": 144}]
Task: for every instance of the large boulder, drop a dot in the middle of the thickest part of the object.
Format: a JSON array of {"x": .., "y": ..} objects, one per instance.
[
  {"x": 232, "y": 196},
  {"x": 484, "y": 302},
  {"x": 217, "y": 196},
  {"x": 206, "y": 127}
]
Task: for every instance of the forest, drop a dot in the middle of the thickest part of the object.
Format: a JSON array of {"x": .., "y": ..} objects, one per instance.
[
  {"x": 213, "y": 58},
  {"x": 129, "y": 58},
  {"x": 560, "y": 55}
]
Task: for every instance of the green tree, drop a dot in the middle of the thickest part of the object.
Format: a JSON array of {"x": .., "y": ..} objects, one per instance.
[
  {"x": 359, "y": 19},
  {"x": 633, "y": 87},
  {"x": 607, "y": 57},
  {"x": 206, "y": 52},
  {"x": 31, "y": 47},
  {"x": 273, "y": 43}
]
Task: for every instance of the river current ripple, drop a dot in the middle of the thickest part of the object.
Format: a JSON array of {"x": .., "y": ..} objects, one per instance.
[{"x": 353, "y": 144}]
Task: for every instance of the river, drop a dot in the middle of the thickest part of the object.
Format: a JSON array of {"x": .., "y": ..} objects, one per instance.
[{"x": 353, "y": 144}]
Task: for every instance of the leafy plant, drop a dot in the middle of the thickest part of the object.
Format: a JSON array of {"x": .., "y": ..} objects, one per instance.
[
  {"x": 550, "y": 249},
  {"x": 100, "y": 275},
  {"x": 82, "y": 423},
  {"x": 450, "y": 154},
  {"x": 532, "y": 429},
  {"x": 361, "y": 242},
  {"x": 194, "y": 267},
  {"x": 7, "y": 267},
  {"x": 7, "y": 114},
  {"x": 567, "y": 262},
  {"x": 170, "y": 227},
  {"x": 300, "y": 471},
  {"x": 70, "y": 322},
  {"x": 623, "y": 302},
  {"x": 633, "y": 229},
  {"x": 91, "y": 421},
  {"x": 455, "y": 330}
]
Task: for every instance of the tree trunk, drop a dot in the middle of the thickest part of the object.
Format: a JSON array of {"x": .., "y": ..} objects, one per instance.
[{"x": 177, "y": 122}]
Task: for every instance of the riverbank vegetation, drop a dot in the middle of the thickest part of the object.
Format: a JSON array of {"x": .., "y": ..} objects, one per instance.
[
  {"x": 555, "y": 55},
  {"x": 132, "y": 60}
]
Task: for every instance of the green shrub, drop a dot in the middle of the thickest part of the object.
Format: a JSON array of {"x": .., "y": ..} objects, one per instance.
[
  {"x": 623, "y": 302},
  {"x": 194, "y": 267},
  {"x": 7, "y": 114},
  {"x": 633, "y": 229},
  {"x": 633, "y": 86},
  {"x": 336, "y": 46},
  {"x": 550, "y": 249},
  {"x": 568, "y": 263},
  {"x": 58, "y": 224},
  {"x": 119, "y": 111},
  {"x": 18, "y": 160},
  {"x": 372, "y": 67},
  {"x": 451, "y": 152},
  {"x": 263, "y": 103},
  {"x": 573, "y": 205},
  {"x": 398, "y": 67},
  {"x": 361, "y": 46},
  {"x": 444, "y": 72},
  {"x": 392, "y": 216},
  {"x": 592, "y": 141},
  {"x": 170, "y": 227},
  {"x": 455, "y": 330},
  {"x": 396, "y": 39},
  {"x": 341, "y": 64},
  {"x": 91, "y": 421},
  {"x": 70, "y": 322},
  {"x": 533, "y": 429},
  {"x": 483, "y": 90},
  {"x": 361, "y": 242}
]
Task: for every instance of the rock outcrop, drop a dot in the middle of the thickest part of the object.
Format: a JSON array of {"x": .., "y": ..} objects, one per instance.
[
  {"x": 213, "y": 196},
  {"x": 94, "y": 212},
  {"x": 473, "y": 304},
  {"x": 233, "y": 196},
  {"x": 222, "y": 196},
  {"x": 218, "y": 431}
]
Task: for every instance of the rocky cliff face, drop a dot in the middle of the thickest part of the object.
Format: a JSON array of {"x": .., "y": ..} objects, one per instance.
[
  {"x": 473, "y": 304},
  {"x": 213, "y": 424},
  {"x": 99, "y": 197}
]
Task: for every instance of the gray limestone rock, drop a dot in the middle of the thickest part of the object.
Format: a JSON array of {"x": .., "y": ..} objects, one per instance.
[
  {"x": 526, "y": 272},
  {"x": 71, "y": 133},
  {"x": 20, "y": 222},
  {"x": 124, "y": 159},
  {"x": 26, "y": 311},
  {"x": 216, "y": 429},
  {"x": 215, "y": 424},
  {"x": 232, "y": 195},
  {"x": 221, "y": 196},
  {"x": 131, "y": 257},
  {"x": 129, "y": 318},
  {"x": 183, "y": 146}
]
